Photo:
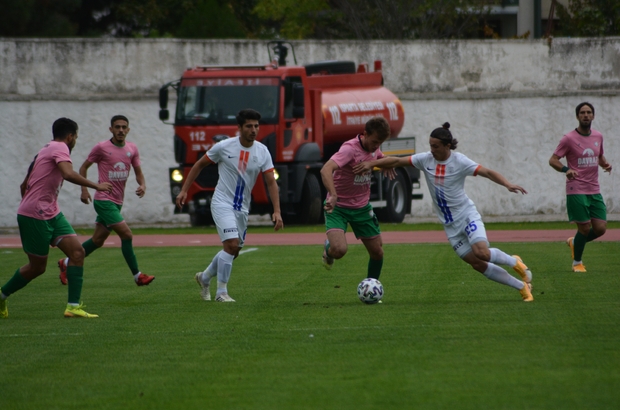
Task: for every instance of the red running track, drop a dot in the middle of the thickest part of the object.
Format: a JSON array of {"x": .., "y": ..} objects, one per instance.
[{"x": 282, "y": 238}]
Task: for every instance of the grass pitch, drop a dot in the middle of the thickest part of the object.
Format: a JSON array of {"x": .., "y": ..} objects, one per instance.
[{"x": 298, "y": 338}]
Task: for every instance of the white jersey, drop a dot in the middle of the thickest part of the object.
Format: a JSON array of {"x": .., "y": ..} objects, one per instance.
[
  {"x": 238, "y": 168},
  {"x": 446, "y": 184}
]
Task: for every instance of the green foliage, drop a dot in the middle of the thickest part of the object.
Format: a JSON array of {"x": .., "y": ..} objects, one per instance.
[
  {"x": 298, "y": 338},
  {"x": 589, "y": 18}
]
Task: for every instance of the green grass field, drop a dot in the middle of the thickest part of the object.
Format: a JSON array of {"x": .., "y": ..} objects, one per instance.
[{"x": 298, "y": 338}]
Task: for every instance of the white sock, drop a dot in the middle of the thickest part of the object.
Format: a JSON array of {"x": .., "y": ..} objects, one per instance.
[
  {"x": 575, "y": 263},
  {"x": 66, "y": 261},
  {"x": 221, "y": 288},
  {"x": 502, "y": 258},
  {"x": 499, "y": 275},
  {"x": 211, "y": 270},
  {"x": 224, "y": 269},
  {"x": 136, "y": 276}
]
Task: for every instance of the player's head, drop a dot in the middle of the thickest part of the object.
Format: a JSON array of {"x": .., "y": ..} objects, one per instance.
[
  {"x": 119, "y": 127},
  {"x": 376, "y": 131},
  {"x": 442, "y": 142},
  {"x": 65, "y": 130},
  {"x": 247, "y": 114},
  {"x": 118, "y": 117},
  {"x": 585, "y": 115}
]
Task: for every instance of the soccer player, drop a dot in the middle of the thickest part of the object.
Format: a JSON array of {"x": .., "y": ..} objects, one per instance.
[
  {"x": 445, "y": 173},
  {"x": 114, "y": 159},
  {"x": 348, "y": 195},
  {"x": 239, "y": 160},
  {"x": 583, "y": 149},
  {"x": 41, "y": 223}
]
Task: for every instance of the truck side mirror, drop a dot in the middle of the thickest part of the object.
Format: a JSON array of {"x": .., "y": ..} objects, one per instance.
[
  {"x": 163, "y": 98},
  {"x": 164, "y": 115},
  {"x": 298, "y": 101}
]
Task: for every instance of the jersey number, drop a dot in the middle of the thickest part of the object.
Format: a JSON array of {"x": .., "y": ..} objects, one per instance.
[{"x": 471, "y": 228}]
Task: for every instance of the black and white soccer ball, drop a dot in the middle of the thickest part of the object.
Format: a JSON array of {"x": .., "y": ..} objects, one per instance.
[{"x": 370, "y": 291}]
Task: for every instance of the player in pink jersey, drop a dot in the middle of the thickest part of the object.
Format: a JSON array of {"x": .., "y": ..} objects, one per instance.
[
  {"x": 114, "y": 159},
  {"x": 583, "y": 149},
  {"x": 348, "y": 194},
  {"x": 445, "y": 174},
  {"x": 41, "y": 223}
]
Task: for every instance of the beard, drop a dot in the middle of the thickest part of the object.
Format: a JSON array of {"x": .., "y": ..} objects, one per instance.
[{"x": 585, "y": 125}]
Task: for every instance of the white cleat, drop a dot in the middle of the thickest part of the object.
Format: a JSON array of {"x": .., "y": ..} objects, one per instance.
[
  {"x": 224, "y": 298},
  {"x": 204, "y": 289}
]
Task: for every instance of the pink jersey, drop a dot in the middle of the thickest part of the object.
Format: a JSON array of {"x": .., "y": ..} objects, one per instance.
[
  {"x": 41, "y": 198},
  {"x": 582, "y": 154},
  {"x": 353, "y": 190},
  {"x": 114, "y": 164}
]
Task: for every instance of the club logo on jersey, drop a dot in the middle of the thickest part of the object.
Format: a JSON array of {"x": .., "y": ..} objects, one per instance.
[
  {"x": 128, "y": 154},
  {"x": 119, "y": 172},
  {"x": 589, "y": 158},
  {"x": 362, "y": 179}
]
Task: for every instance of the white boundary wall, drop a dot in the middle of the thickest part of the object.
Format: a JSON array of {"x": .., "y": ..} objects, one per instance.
[{"x": 509, "y": 102}]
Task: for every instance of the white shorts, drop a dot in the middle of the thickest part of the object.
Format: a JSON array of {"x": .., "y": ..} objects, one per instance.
[
  {"x": 462, "y": 234},
  {"x": 230, "y": 224}
]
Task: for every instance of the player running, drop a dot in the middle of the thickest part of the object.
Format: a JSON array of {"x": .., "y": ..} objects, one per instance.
[
  {"x": 348, "y": 195},
  {"x": 114, "y": 159},
  {"x": 239, "y": 161},
  {"x": 445, "y": 174},
  {"x": 41, "y": 223}
]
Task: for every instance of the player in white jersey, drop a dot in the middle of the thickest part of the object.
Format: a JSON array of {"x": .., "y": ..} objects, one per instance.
[
  {"x": 239, "y": 161},
  {"x": 445, "y": 174}
]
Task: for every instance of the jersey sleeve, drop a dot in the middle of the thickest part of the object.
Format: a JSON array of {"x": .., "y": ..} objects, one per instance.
[
  {"x": 562, "y": 148},
  {"x": 215, "y": 153},
  {"x": 62, "y": 154},
  {"x": 95, "y": 154},
  {"x": 416, "y": 161},
  {"x": 135, "y": 159},
  {"x": 267, "y": 163},
  {"x": 343, "y": 156},
  {"x": 468, "y": 166}
]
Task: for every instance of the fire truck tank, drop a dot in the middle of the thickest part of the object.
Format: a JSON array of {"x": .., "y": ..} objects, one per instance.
[{"x": 346, "y": 111}]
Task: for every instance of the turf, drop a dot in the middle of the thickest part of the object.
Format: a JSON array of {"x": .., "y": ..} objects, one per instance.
[{"x": 298, "y": 338}]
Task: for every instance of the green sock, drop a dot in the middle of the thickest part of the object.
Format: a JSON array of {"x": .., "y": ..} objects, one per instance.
[
  {"x": 591, "y": 236},
  {"x": 374, "y": 268},
  {"x": 14, "y": 284},
  {"x": 579, "y": 244},
  {"x": 75, "y": 278},
  {"x": 130, "y": 257},
  {"x": 89, "y": 247}
]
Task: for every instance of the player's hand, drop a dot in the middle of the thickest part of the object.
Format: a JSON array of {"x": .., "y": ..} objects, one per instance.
[
  {"x": 362, "y": 167},
  {"x": 516, "y": 189},
  {"x": 330, "y": 204},
  {"x": 389, "y": 172},
  {"x": 572, "y": 174},
  {"x": 85, "y": 197},
  {"x": 181, "y": 199},
  {"x": 106, "y": 186},
  {"x": 278, "y": 224},
  {"x": 140, "y": 191},
  {"x": 607, "y": 167}
]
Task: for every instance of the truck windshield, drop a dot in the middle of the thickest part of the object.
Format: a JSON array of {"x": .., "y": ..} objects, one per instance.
[{"x": 218, "y": 100}]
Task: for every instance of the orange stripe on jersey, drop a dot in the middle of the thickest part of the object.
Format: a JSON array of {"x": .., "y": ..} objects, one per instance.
[
  {"x": 268, "y": 170},
  {"x": 244, "y": 156},
  {"x": 440, "y": 173},
  {"x": 477, "y": 169}
]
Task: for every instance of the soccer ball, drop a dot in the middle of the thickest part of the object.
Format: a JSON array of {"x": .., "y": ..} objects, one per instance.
[{"x": 370, "y": 291}]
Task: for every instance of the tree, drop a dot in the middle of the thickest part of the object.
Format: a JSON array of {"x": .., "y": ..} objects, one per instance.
[{"x": 589, "y": 18}]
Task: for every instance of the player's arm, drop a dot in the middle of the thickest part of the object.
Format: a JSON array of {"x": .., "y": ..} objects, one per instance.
[
  {"x": 327, "y": 175},
  {"x": 555, "y": 163},
  {"x": 67, "y": 172},
  {"x": 274, "y": 194},
  {"x": 191, "y": 177},
  {"x": 141, "y": 190},
  {"x": 499, "y": 179},
  {"x": 602, "y": 162},
  {"x": 24, "y": 184},
  {"x": 385, "y": 162},
  {"x": 85, "y": 196}
]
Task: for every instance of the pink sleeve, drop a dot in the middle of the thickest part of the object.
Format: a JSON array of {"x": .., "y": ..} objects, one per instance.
[
  {"x": 62, "y": 154},
  {"x": 135, "y": 160},
  {"x": 95, "y": 155},
  {"x": 562, "y": 148},
  {"x": 343, "y": 156}
]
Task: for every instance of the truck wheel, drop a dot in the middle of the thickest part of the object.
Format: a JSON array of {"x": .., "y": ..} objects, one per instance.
[
  {"x": 201, "y": 218},
  {"x": 398, "y": 195},
  {"x": 311, "y": 209}
]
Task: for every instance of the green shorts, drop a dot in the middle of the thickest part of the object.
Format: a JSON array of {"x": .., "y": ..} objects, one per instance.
[
  {"x": 108, "y": 213},
  {"x": 583, "y": 208},
  {"x": 363, "y": 221},
  {"x": 37, "y": 235}
]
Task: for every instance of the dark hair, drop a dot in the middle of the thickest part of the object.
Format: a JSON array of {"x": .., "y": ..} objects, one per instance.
[
  {"x": 378, "y": 126},
  {"x": 445, "y": 136},
  {"x": 581, "y": 106},
  {"x": 118, "y": 117},
  {"x": 63, "y": 127},
  {"x": 247, "y": 114}
]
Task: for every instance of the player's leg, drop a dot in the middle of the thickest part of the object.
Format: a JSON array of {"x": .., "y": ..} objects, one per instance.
[
  {"x": 99, "y": 237},
  {"x": 231, "y": 227},
  {"x": 365, "y": 226},
  {"x": 578, "y": 210},
  {"x": 126, "y": 236},
  {"x": 335, "y": 246}
]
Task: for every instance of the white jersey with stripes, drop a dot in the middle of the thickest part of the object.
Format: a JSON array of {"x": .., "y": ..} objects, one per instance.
[
  {"x": 446, "y": 184},
  {"x": 238, "y": 169}
]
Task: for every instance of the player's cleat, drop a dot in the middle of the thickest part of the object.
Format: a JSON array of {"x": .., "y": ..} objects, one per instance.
[
  {"x": 526, "y": 292},
  {"x": 78, "y": 311},
  {"x": 62, "y": 265},
  {"x": 144, "y": 280},
  {"x": 579, "y": 268},
  {"x": 224, "y": 298},
  {"x": 4, "y": 310},
  {"x": 522, "y": 269},
  {"x": 571, "y": 244},
  {"x": 204, "y": 289},
  {"x": 328, "y": 261}
]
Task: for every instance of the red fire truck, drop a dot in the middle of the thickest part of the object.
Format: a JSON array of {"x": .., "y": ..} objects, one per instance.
[{"x": 307, "y": 113}]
